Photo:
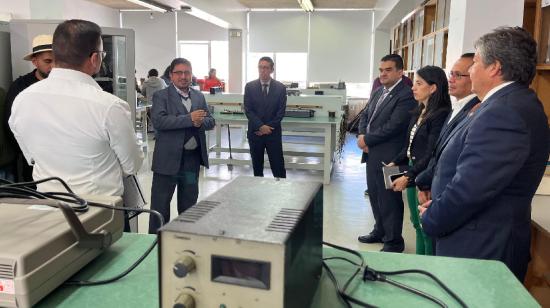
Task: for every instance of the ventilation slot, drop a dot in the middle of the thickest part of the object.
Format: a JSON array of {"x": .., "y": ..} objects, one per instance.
[
  {"x": 285, "y": 220},
  {"x": 6, "y": 271},
  {"x": 198, "y": 211}
]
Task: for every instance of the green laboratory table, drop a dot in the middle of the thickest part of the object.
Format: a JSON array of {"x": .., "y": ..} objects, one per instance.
[{"x": 479, "y": 283}]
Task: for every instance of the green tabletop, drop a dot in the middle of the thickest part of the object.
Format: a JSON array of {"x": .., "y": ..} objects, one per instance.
[{"x": 479, "y": 283}]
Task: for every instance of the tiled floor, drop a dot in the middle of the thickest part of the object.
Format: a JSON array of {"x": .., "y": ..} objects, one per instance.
[{"x": 347, "y": 212}]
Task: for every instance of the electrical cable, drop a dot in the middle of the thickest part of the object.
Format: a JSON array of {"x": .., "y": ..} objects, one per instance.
[
  {"x": 346, "y": 298},
  {"x": 374, "y": 275},
  {"x": 433, "y": 277},
  {"x": 22, "y": 191}
]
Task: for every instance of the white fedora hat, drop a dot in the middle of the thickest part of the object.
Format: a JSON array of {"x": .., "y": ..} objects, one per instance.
[{"x": 40, "y": 43}]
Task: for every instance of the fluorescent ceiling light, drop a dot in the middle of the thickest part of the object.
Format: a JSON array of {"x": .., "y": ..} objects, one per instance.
[
  {"x": 306, "y": 5},
  {"x": 148, "y": 5},
  {"x": 206, "y": 16}
]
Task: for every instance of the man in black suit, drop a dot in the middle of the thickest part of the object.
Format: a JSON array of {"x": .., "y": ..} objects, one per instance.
[
  {"x": 383, "y": 133},
  {"x": 494, "y": 160},
  {"x": 265, "y": 104},
  {"x": 460, "y": 86},
  {"x": 180, "y": 116}
]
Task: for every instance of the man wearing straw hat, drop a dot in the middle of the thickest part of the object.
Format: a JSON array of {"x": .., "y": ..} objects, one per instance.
[{"x": 41, "y": 57}]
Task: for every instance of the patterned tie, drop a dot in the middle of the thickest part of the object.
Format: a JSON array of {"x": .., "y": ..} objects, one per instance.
[
  {"x": 377, "y": 106},
  {"x": 264, "y": 89}
]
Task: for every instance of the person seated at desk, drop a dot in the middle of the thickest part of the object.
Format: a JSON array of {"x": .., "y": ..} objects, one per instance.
[
  {"x": 431, "y": 91},
  {"x": 211, "y": 81}
]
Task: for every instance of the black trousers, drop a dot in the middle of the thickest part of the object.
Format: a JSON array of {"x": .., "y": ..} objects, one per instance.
[
  {"x": 273, "y": 143},
  {"x": 387, "y": 208},
  {"x": 187, "y": 183}
]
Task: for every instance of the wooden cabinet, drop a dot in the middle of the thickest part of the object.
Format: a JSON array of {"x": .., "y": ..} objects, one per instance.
[
  {"x": 536, "y": 20},
  {"x": 421, "y": 39}
]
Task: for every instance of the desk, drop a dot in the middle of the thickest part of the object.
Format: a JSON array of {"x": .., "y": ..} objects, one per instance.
[
  {"x": 479, "y": 283},
  {"x": 326, "y": 125}
]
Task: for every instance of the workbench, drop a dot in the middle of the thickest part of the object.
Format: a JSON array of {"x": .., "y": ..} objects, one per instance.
[{"x": 479, "y": 283}]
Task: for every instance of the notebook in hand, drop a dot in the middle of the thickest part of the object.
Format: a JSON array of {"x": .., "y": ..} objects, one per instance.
[{"x": 391, "y": 173}]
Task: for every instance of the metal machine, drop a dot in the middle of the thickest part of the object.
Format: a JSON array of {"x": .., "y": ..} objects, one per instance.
[
  {"x": 42, "y": 246},
  {"x": 254, "y": 243}
]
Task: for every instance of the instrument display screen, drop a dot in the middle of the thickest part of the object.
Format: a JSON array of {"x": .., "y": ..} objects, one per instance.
[{"x": 242, "y": 272}]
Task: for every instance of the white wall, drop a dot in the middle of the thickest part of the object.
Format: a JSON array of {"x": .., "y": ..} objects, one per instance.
[
  {"x": 469, "y": 19},
  {"x": 340, "y": 46},
  {"x": 18, "y": 9},
  {"x": 74, "y": 9},
  {"x": 156, "y": 39},
  {"x": 191, "y": 28}
]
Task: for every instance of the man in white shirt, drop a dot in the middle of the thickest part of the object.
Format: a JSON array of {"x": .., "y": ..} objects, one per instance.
[{"x": 68, "y": 127}]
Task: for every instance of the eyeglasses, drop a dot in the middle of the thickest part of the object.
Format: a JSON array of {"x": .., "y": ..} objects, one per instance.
[
  {"x": 179, "y": 73},
  {"x": 101, "y": 52},
  {"x": 457, "y": 75}
]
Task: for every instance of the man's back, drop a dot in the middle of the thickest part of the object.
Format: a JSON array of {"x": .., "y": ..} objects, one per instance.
[{"x": 68, "y": 127}]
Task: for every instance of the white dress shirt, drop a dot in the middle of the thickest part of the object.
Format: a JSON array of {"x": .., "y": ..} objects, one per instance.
[
  {"x": 68, "y": 127},
  {"x": 460, "y": 104},
  {"x": 495, "y": 89}
]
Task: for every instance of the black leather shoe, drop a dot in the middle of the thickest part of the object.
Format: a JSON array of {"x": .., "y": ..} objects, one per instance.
[
  {"x": 369, "y": 239},
  {"x": 393, "y": 248}
]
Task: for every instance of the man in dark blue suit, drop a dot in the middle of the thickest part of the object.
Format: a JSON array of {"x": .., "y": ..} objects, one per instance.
[
  {"x": 181, "y": 117},
  {"x": 265, "y": 104},
  {"x": 494, "y": 160},
  {"x": 383, "y": 133},
  {"x": 460, "y": 87}
]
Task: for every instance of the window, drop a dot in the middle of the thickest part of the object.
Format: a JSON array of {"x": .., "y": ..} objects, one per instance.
[
  {"x": 205, "y": 55},
  {"x": 289, "y": 66}
]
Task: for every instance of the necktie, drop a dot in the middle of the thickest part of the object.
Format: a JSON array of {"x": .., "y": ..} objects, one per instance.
[
  {"x": 264, "y": 89},
  {"x": 377, "y": 106}
]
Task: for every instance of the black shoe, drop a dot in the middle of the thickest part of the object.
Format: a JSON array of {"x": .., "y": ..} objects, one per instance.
[
  {"x": 369, "y": 239},
  {"x": 366, "y": 192},
  {"x": 393, "y": 248}
]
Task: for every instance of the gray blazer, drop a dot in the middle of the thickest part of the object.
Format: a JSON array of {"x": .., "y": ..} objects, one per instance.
[{"x": 171, "y": 120}]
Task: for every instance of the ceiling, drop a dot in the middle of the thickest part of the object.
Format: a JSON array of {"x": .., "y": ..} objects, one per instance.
[
  {"x": 261, "y": 4},
  {"x": 318, "y": 4}
]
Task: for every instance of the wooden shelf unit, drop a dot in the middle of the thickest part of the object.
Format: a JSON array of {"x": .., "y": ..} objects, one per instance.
[
  {"x": 422, "y": 38},
  {"x": 536, "y": 20}
]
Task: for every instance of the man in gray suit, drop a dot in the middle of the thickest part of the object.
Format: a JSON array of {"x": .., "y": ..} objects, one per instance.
[
  {"x": 181, "y": 117},
  {"x": 383, "y": 133}
]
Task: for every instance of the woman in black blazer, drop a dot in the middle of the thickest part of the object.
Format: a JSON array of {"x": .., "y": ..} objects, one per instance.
[{"x": 431, "y": 91}]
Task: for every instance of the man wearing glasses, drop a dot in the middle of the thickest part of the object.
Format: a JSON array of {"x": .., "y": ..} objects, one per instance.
[
  {"x": 180, "y": 116},
  {"x": 460, "y": 87},
  {"x": 265, "y": 105},
  {"x": 68, "y": 127}
]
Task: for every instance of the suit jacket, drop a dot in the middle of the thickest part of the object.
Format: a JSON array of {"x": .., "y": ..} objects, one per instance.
[
  {"x": 388, "y": 128},
  {"x": 171, "y": 121},
  {"x": 423, "y": 142},
  {"x": 486, "y": 178},
  {"x": 424, "y": 178},
  {"x": 261, "y": 110}
]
